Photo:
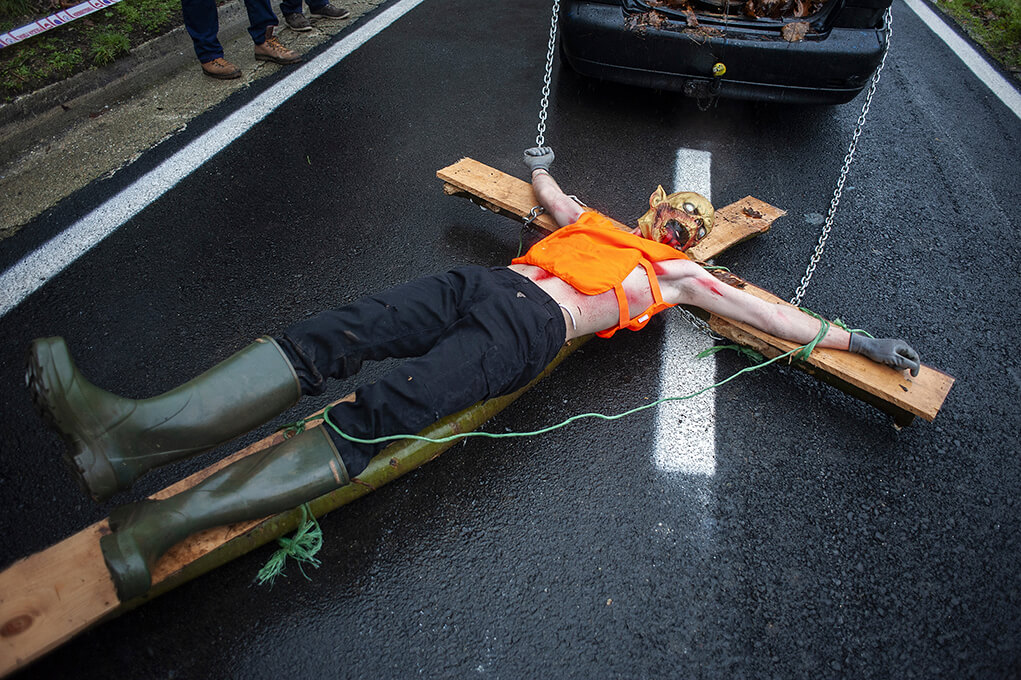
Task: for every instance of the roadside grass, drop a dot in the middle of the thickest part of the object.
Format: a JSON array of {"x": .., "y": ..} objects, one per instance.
[
  {"x": 95, "y": 40},
  {"x": 994, "y": 24}
]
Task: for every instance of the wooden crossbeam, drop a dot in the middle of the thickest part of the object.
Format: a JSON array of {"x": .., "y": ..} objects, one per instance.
[
  {"x": 51, "y": 596},
  {"x": 509, "y": 196},
  {"x": 890, "y": 390},
  {"x": 886, "y": 388}
]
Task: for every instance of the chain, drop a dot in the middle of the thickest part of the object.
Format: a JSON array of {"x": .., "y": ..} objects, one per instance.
[
  {"x": 540, "y": 139},
  {"x": 699, "y": 324},
  {"x": 828, "y": 225},
  {"x": 533, "y": 215}
]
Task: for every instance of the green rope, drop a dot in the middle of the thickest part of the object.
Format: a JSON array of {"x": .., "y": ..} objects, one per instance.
[
  {"x": 838, "y": 322},
  {"x": 824, "y": 327},
  {"x": 291, "y": 429},
  {"x": 303, "y": 546},
  {"x": 551, "y": 428}
]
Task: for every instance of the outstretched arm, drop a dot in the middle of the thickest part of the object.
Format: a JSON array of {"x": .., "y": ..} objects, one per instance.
[
  {"x": 695, "y": 286},
  {"x": 564, "y": 209}
]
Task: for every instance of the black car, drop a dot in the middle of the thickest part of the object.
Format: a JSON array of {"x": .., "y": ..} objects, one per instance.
[{"x": 800, "y": 51}]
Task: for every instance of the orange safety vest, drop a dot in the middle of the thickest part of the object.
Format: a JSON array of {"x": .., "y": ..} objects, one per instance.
[{"x": 594, "y": 256}]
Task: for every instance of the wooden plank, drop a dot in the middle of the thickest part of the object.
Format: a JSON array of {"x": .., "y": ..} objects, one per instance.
[
  {"x": 52, "y": 595},
  {"x": 881, "y": 386},
  {"x": 736, "y": 223},
  {"x": 493, "y": 190},
  {"x": 512, "y": 197},
  {"x": 887, "y": 388}
]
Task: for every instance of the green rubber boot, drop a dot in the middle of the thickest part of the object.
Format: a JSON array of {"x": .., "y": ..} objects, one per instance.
[
  {"x": 112, "y": 441},
  {"x": 273, "y": 480}
]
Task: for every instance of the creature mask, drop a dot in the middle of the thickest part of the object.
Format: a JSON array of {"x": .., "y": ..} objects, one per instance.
[{"x": 680, "y": 220}]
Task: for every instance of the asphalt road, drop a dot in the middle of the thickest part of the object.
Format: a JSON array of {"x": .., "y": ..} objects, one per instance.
[{"x": 824, "y": 544}]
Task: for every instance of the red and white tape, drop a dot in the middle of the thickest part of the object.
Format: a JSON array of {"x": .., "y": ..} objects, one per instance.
[{"x": 62, "y": 17}]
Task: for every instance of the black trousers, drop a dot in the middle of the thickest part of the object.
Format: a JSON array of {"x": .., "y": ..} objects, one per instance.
[{"x": 470, "y": 334}]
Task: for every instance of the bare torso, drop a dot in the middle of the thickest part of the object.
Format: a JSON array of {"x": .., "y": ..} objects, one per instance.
[
  {"x": 592, "y": 313},
  {"x": 680, "y": 281}
]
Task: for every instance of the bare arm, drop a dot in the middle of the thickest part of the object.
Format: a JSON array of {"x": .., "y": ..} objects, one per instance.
[
  {"x": 564, "y": 209},
  {"x": 687, "y": 283},
  {"x": 695, "y": 286}
]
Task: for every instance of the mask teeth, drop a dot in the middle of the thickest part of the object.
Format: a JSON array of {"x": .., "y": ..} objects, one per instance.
[{"x": 672, "y": 238}]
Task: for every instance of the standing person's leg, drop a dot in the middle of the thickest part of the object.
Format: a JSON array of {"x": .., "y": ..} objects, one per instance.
[
  {"x": 262, "y": 20},
  {"x": 290, "y": 6},
  {"x": 327, "y": 10},
  {"x": 202, "y": 23},
  {"x": 291, "y": 11},
  {"x": 513, "y": 331}
]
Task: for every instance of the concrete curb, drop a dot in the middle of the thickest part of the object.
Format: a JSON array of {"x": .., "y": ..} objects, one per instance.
[{"x": 49, "y": 110}]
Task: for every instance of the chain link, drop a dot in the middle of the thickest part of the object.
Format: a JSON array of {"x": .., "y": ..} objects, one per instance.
[
  {"x": 533, "y": 215},
  {"x": 540, "y": 139},
  {"x": 700, "y": 325},
  {"x": 828, "y": 225}
]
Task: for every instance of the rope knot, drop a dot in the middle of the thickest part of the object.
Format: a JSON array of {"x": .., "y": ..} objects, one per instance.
[{"x": 307, "y": 541}]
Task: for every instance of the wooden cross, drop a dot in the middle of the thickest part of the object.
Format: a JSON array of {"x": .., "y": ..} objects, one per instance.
[
  {"x": 51, "y": 596},
  {"x": 890, "y": 390}
]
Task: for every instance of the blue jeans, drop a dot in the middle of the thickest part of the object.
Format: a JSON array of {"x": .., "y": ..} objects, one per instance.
[
  {"x": 202, "y": 23},
  {"x": 470, "y": 334},
  {"x": 294, "y": 6}
]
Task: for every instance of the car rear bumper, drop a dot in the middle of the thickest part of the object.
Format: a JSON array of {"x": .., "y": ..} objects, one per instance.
[{"x": 760, "y": 64}]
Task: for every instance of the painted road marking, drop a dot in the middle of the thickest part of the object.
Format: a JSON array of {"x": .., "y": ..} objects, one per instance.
[
  {"x": 971, "y": 58},
  {"x": 686, "y": 430},
  {"x": 32, "y": 271}
]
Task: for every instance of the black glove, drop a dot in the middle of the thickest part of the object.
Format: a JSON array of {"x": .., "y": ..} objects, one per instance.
[
  {"x": 896, "y": 353},
  {"x": 539, "y": 157}
]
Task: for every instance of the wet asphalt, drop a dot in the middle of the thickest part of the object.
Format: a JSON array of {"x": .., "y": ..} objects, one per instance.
[{"x": 826, "y": 543}]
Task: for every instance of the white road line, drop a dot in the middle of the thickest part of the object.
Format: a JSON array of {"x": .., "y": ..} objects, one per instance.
[
  {"x": 1007, "y": 93},
  {"x": 29, "y": 274},
  {"x": 685, "y": 430}
]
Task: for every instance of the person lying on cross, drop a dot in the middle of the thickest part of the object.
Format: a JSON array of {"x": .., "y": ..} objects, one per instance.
[{"x": 470, "y": 334}]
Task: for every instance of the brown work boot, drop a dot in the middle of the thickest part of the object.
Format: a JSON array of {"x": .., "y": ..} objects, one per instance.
[
  {"x": 273, "y": 50},
  {"x": 221, "y": 69}
]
